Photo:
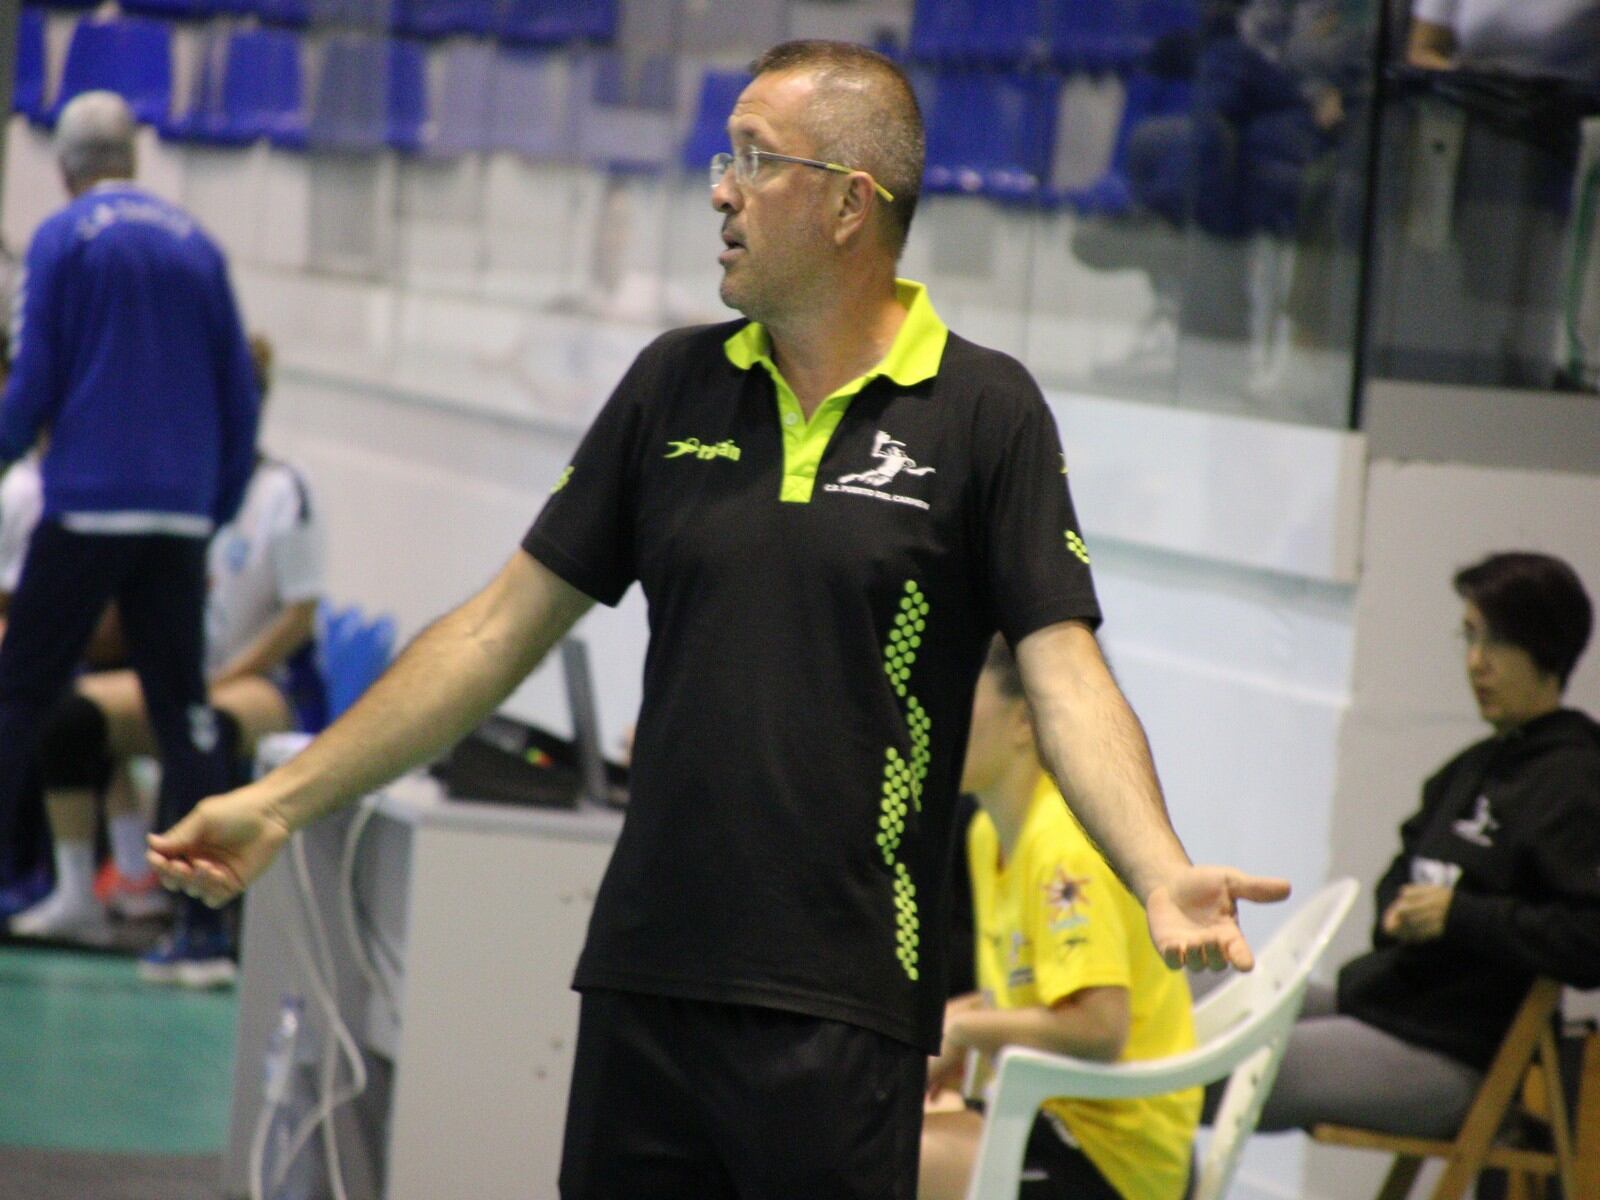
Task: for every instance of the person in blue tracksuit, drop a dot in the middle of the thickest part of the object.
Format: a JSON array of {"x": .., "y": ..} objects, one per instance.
[{"x": 129, "y": 360}]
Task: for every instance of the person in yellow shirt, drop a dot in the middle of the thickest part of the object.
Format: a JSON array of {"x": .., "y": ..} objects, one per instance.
[{"x": 1064, "y": 965}]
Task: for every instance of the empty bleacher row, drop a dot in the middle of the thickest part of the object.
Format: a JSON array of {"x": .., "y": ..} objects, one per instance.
[
  {"x": 991, "y": 77},
  {"x": 535, "y": 22}
]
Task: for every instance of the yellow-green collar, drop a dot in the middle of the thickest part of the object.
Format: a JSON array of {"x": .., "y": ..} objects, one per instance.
[{"x": 913, "y": 358}]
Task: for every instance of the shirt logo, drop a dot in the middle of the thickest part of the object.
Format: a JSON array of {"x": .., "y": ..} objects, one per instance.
[
  {"x": 130, "y": 208},
  {"x": 895, "y": 462},
  {"x": 1076, "y": 546},
  {"x": 704, "y": 451},
  {"x": 561, "y": 482},
  {"x": 1478, "y": 827},
  {"x": 1063, "y": 894}
]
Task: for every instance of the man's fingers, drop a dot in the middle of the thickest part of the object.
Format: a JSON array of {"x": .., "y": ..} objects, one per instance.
[
  {"x": 1217, "y": 953},
  {"x": 1238, "y": 954},
  {"x": 1259, "y": 888}
]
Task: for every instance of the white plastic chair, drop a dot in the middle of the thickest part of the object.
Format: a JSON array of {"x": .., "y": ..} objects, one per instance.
[{"x": 1241, "y": 1028}]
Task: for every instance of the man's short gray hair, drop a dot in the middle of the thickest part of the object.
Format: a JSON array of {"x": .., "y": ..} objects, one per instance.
[
  {"x": 94, "y": 137},
  {"x": 864, "y": 115}
]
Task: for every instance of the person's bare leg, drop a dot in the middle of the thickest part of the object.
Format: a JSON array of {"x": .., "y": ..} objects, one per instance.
[
  {"x": 118, "y": 696},
  {"x": 949, "y": 1147},
  {"x": 258, "y": 707},
  {"x": 71, "y": 814}
]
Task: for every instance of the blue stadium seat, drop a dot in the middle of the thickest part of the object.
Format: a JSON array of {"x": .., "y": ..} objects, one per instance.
[
  {"x": 556, "y": 22},
  {"x": 249, "y": 87},
  {"x": 369, "y": 16},
  {"x": 709, "y": 133},
  {"x": 990, "y": 133},
  {"x": 67, "y": 3},
  {"x": 27, "y": 93},
  {"x": 279, "y": 12},
  {"x": 532, "y": 111},
  {"x": 463, "y": 107},
  {"x": 648, "y": 83},
  {"x": 1157, "y": 18},
  {"x": 978, "y": 32},
  {"x": 190, "y": 9},
  {"x": 441, "y": 18},
  {"x": 1113, "y": 35},
  {"x": 371, "y": 93},
  {"x": 352, "y": 652},
  {"x": 624, "y": 122},
  {"x": 132, "y": 57},
  {"x": 1147, "y": 97},
  {"x": 408, "y": 95},
  {"x": 1093, "y": 35}
]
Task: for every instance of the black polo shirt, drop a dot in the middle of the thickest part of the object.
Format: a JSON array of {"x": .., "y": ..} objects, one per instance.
[{"x": 821, "y": 597}]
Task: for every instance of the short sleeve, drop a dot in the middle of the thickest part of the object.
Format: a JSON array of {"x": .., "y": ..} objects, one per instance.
[
  {"x": 1035, "y": 557},
  {"x": 299, "y": 547},
  {"x": 1079, "y": 937},
  {"x": 585, "y": 533}
]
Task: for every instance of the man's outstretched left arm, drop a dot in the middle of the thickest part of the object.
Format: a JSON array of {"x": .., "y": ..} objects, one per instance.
[{"x": 1092, "y": 742}]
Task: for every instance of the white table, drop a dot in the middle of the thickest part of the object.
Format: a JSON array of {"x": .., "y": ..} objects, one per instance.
[{"x": 473, "y": 915}]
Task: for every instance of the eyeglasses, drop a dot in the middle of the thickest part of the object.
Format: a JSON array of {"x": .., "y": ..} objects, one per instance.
[{"x": 747, "y": 162}]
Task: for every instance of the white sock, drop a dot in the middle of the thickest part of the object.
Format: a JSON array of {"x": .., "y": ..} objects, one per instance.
[
  {"x": 75, "y": 872},
  {"x": 127, "y": 844}
]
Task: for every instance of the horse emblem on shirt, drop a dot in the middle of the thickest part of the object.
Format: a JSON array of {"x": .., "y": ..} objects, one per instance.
[
  {"x": 1479, "y": 827},
  {"x": 895, "y": 462}
]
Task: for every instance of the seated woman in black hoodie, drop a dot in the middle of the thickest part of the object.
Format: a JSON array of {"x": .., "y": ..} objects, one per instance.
[{"x": 1497, "y": 881}]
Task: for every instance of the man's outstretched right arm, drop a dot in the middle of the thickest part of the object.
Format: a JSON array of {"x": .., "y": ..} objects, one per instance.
[{"x": 452, "y": 676}]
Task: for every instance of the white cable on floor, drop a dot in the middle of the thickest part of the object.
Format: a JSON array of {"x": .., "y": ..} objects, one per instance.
[
  {"x": 347, "y": 910},
  {"x": 258, "y": 1149},
  {"x": 331, "y": 1100},
  {"x": 322, "y": 982}
]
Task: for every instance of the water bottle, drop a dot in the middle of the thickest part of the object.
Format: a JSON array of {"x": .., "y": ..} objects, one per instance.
[{"x": 278, "y": 1182}]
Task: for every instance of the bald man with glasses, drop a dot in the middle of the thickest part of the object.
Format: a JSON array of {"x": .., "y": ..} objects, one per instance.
[{"x": 763, "y": 974}]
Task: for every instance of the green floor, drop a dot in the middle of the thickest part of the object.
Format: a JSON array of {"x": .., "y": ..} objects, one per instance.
[{"x": 93, "y": 1059}]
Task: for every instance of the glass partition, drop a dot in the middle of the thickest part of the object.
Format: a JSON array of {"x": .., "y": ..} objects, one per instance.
[{"x": 1152, "y": 200}]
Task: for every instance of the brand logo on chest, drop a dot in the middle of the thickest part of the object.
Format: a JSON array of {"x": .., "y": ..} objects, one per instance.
[
  {"x": 704, "y": 451},
  {"x": 894, "y": 466}
]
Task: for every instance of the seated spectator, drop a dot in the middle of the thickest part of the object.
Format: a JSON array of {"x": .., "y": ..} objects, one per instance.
[
  {"x": 1495, "y": 883},
  {"x": 1065, "y": 965},
  {"x": 266, "y": 577}
]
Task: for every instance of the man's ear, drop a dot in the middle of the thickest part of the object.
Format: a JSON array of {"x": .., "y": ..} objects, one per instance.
[{"x": 855, "y": 208}]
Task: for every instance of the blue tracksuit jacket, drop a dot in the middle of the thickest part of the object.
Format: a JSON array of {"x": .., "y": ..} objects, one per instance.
[{"x": 128, "y": 351}]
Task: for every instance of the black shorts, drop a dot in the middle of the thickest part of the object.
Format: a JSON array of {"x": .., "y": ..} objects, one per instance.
[
  {"x": 688, "y": 1099},
  {"x": 1055, "y": 1167}
]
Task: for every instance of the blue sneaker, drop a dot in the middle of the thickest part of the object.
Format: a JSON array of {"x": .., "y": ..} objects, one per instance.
[
  {"x": 17, "y": 895},
  {"x": 191, "y": 959}
]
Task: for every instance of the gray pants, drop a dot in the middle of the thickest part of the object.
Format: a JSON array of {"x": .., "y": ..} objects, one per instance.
[{"x": 1340, "y": 1071}]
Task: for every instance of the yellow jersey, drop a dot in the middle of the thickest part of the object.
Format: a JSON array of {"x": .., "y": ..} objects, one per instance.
[{"x": 1055, "y": 920}]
